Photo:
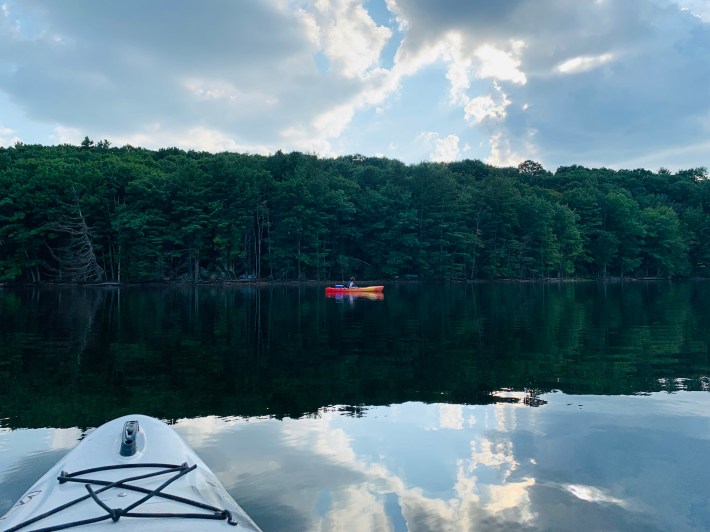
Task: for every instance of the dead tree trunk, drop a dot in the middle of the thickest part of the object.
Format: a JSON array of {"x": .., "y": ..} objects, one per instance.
[{"x": 75, "y": 257}]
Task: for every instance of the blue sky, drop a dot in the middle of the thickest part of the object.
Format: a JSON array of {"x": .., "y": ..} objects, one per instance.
[{"x": 614, "y": 83}]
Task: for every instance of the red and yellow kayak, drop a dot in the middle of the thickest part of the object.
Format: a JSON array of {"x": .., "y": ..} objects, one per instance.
[{"x": 359, "y": 290}]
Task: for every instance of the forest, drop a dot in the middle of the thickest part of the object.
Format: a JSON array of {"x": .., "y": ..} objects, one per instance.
[{"x": 95, "y": 213}]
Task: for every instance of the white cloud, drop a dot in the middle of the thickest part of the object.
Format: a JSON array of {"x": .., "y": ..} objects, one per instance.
[
  {"x": 7, "y": 137},
  {"x": 64, "y": 438},
  {"x": 513, "y": 496},
  {"x": 200, "y": 431},
  {"x": 593, "y": 494},
  {"x": 198, "y": 138},
  {"x": 583, "y": 63},
  {"x": 350, "y": 38},
  {"x": 484, "y": 452},
  {"x": 327, "y": 436},
  {"x": 699, "y": 8},
  {"x": 485, "y": 107},
  {"x": 332, "y": 122},
  {"x": 394, "y": 8},
  {"x": 502, "y": 153},
  {"x": 501, "y": 65},
  {"x": 446, "y": 150},
  {"x": 451, "y": 416},
  {"x": 67, "y": 135},
  {"x": 287, "y": 74},
  {"x": 310, "y": 25},
  {"x": 227, "y": 93}
]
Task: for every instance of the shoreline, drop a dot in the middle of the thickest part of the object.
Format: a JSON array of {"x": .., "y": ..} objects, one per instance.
[{"x": 365, "y": 282}]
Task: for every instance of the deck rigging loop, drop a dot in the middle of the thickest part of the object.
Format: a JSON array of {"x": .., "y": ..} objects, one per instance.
[{"x": 115, "y": 514}]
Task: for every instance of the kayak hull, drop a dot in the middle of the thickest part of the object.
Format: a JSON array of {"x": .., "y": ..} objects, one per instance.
[
  {"x": 97, "y": 462},
  {"x": 362, "y": 289}
]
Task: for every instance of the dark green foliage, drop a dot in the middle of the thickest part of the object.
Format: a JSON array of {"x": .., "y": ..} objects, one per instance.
[{"x": 99, "y": 213}]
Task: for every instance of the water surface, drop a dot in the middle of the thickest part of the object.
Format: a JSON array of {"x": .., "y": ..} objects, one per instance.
[{"x": 448, "y": 407}]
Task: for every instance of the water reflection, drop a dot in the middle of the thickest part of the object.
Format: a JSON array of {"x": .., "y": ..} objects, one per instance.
[
  {"x": 352, "y": 297},
  {"x": 500, "y": 467},
  {"x": 612, "y": 463},
  {"x": 448, "y": 416},
  {"x": 73, "y": 357}
]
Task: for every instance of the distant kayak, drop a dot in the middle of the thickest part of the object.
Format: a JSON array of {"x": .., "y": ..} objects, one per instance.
[
  {"x": 343, "y": 290},
  {"x": 132, "y": 473}
]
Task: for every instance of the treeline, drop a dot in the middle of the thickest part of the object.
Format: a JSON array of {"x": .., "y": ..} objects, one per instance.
[{"x": 96, "y": 213}]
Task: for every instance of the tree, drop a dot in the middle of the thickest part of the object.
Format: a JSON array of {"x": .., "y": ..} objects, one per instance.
[
  {"x": 665, "y": 249},
  {"x": 75, "y": 255},
  {"x": 499, "y": 201},
  {"x": 141, "y": 215},
  {"x": 622, "y": 217},
  {"x": 569, "y": 238}
]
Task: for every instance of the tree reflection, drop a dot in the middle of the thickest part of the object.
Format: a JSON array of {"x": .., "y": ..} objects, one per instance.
[{"x": 76, "y": 357}]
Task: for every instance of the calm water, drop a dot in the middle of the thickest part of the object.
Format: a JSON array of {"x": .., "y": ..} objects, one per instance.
[{"x": 448, "y": 407}]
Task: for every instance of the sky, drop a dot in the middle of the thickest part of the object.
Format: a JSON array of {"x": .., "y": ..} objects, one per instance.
[{"x": 601, "y": 83}]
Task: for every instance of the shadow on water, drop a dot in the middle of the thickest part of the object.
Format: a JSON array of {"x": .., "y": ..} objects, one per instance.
[{"x": 80, "y": 356}]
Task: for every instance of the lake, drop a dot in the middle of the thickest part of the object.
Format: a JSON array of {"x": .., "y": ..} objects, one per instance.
[{"x": 500, "y": 406}]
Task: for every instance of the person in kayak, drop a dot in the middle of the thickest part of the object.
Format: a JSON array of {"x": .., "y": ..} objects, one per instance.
[{"x": 351, "y": 283}]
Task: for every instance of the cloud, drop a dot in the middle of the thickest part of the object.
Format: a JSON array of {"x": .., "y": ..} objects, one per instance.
[
  {"x": 502, "y": 152},
  {"x": 603, "y": 114},
  {"x": 489, "y": 107},
  {"x": 598, "y": 83},
  {"x": 349, "y": 37},
  {"x": 698, "y": 8},
  {"x": 64, "y": 438},
  {"x": 446, "y": 150},
  {"x": 592, "y": 494},
  {"x": 66, "y": 135},
  {"x": 499, "y": 64},
  {"x": 583, "y": 63},
  {"x": 369, "y": 478},
  {"x": 244, "y": 71},
  {"x": 7, "y": 136},
  {"x": 451, "y": 416}
]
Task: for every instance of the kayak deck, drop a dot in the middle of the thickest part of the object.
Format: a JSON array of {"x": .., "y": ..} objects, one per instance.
[{"x": 127, "y": 480}]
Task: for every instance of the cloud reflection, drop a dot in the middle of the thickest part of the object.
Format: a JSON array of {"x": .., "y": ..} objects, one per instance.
[
  {"x": 369, "y": 485},
  {"x": 451, "y": 416},
  {"x": 592, "y": 494},
  {"x": 621, "y": 463}
]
